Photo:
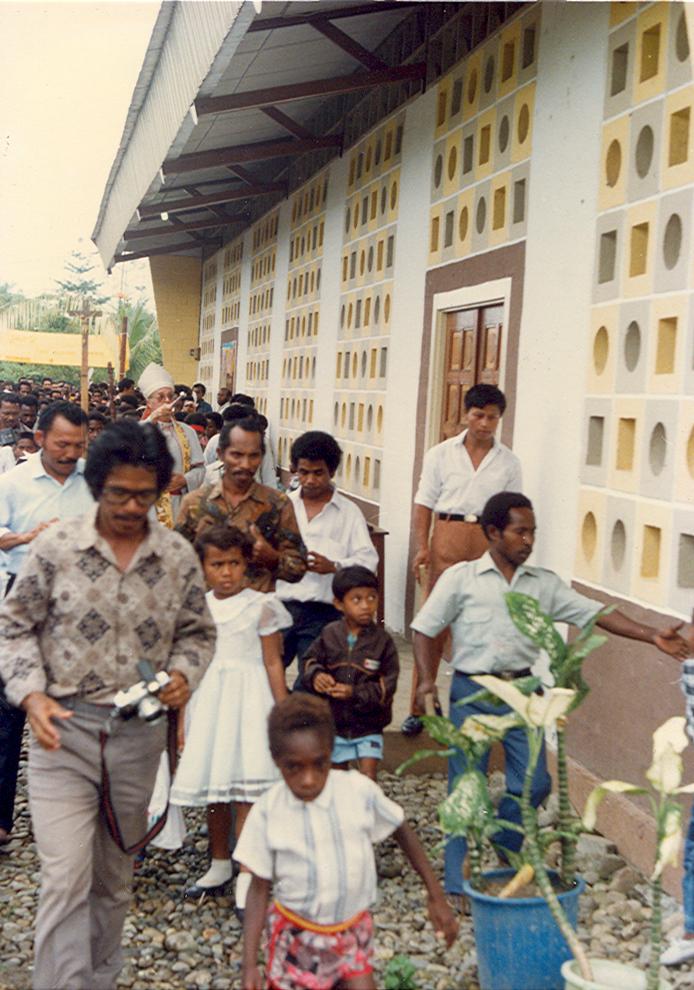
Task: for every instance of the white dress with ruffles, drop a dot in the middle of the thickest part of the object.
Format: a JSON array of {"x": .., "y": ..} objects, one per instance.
[{"x": 226, "y": 756}]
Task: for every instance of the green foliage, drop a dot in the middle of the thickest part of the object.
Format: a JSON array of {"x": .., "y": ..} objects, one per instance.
[
  {"x": 143, "y": 334},
  {"x": 399, "y": 974},
  {"x": 77, "y": 283},
  {"x": 9, "y": 295}
]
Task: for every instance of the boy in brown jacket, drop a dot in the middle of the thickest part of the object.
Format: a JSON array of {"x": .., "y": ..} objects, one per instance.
[{"x": 354, "y": 665}]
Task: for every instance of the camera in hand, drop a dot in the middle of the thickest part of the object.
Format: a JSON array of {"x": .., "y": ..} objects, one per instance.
[
  {"x": 8, "y": 437},
  {"x": 141, "y": 699}
]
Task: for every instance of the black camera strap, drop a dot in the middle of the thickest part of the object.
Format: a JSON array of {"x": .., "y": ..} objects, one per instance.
[{"x": 107, "y": 805}]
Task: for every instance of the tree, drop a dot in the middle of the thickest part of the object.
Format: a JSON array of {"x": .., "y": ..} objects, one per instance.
[
  {"x": 9, "y": 295},
  {"x": 78, "y": 267},
  {"x": 143, "y": 334}
]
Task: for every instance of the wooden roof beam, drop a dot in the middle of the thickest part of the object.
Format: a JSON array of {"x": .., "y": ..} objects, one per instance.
[
  {"x": 349, "y": 45},
  {"x": 240, "y": 153},
  {"x": 287, "y": 122},
  {"x": 134, "y": 233},
  {"x": 169, "y": 249},
  {"x": 257, "y": 98},
  {"x": 148, "y": 212},
  {"x": 272, "y": 23}
]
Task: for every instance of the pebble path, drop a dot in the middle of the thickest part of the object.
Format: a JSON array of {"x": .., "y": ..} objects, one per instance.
[{"x": 171, "y": 944}]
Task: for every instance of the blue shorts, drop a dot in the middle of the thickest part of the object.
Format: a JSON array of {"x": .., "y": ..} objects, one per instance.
[{"x": 345, "y": 750}]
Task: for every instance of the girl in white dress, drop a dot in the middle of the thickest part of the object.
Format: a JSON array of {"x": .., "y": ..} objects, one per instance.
[{"x": 226, "y": 759}]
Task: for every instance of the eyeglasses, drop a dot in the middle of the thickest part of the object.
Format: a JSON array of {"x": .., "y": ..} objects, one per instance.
[{"x": 119, "y": 496}]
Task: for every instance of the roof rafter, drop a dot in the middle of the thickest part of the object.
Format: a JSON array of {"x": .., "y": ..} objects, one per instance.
[
  {"x": 254, "y": 99},
  {"x": 169, "y": 249},
  {"x": 347, "y": 44},
  {"x": 261, "y": 151},
  {"x": 359, "y": 10},
  {"x": 134, "y": 233},
  {"x": 281, "y": 118},
  {"x": 210, "y": 199}
]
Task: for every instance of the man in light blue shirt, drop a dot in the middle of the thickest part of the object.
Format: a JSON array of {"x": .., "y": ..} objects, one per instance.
[
  {"x": 48, "y": 486},
  {"x": 469, "y": 598}
]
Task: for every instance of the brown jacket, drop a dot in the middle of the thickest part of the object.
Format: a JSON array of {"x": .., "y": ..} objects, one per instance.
[{"x": 371, "y": 666}]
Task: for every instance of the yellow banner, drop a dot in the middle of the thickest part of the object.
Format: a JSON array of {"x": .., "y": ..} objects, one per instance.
[{"x": 36, "y": 347}]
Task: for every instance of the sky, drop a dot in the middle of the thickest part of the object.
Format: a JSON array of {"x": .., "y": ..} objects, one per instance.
[{"x": 67, "y": 74}]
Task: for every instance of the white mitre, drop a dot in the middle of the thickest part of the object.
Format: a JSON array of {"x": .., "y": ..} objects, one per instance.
[{"x": 153, "y": 378}]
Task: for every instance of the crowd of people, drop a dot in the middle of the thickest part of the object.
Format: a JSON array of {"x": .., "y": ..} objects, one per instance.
[{"x": 175, "y": 543}]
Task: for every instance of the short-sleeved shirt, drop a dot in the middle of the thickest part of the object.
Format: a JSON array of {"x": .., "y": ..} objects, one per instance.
[
  {"x": 319, "y": 854},
  {"x": 450, "y": 482},
  {"x": 469, "y": 597}
]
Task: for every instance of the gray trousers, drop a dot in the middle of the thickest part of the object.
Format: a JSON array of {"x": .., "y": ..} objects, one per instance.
[{"x": 85, "y": 879}]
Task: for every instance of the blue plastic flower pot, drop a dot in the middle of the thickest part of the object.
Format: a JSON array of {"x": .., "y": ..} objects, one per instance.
[{"x": 519, "y": 945}]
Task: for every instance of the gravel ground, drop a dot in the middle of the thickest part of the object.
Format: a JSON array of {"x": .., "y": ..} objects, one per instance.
[{"x": 171, "y": 944}]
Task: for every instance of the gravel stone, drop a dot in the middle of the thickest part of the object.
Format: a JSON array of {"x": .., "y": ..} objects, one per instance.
[{"x": 170, "y": 944}]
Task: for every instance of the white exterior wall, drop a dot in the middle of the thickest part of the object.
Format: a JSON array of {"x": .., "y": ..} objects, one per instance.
[{"x": 554, "y": 336}]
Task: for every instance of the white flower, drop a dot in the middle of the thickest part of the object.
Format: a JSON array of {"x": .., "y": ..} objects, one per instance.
[
  {"x": 669, "y": 847},
  {"x": 590, "y": 812},
  {"x": 669, "y": 740},
  {"x": 537, "y": 711}
]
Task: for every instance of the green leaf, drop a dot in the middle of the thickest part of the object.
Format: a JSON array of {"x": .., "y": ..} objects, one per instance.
[
  {"x": 468, "y": 807},
  {"x": 539, "y": 628},
  {"x": 423, "y": 754}
]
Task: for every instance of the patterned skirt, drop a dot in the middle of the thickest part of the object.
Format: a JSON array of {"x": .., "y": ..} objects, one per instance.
[{"x": 304, "y": 956}]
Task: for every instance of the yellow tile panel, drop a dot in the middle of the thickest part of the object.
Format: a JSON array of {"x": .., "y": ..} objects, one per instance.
[
  {"x": 473, "y": 84},
  {"x": 651, "y": 52},
  {"x": 625, "y": 455},
  {"x": 667, "y": 337},
  {"x": 523, "y": 113},
  {"x": 485, "y": 143},
  {"x": 651, "y": 560},
  {"x": 591, "y": 525},
  {"x": 604, "y": 322},
  {"x": 509, "y": 59},
  {"x": 614, "y": 163},
  {"x": 677, "y": 167},
  {"x": 638, "y": 255}
]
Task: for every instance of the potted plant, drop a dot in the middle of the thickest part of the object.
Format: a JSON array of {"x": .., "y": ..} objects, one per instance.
[
  {"x": 519, "y": 946},
  {"x": 665, "y": 778},
  {"x": 468, "y": 811}
]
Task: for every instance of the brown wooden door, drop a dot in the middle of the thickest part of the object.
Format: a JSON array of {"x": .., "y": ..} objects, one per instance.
[{"x": 473, "y": 349}]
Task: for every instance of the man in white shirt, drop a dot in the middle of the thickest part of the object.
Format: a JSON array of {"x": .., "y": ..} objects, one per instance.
[
  {"x": 458, "y": 477},
  {"x": 335, "y": 533},
  {"x": 49, "y": 486}
]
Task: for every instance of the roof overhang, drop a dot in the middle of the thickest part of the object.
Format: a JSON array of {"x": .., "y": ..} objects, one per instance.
[{"x": 224, "y": 99}]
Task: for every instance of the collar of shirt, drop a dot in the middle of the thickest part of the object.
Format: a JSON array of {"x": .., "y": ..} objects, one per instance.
[
  {"x": 37, "y": 470},
  {"x": 335, "y": 500},
  {"x": 215, "y": 491},
  {"x": 492, "y": 452},
  {"x": 89, "y": 536},
  {"x": 486, "y": 563},
  {"x": 323, "y": 800}
]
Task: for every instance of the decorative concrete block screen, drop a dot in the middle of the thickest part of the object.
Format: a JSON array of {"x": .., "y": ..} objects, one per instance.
[
  {"x": 260, "y": 304},
  {"x": 302, "y": 313},
  {"x": 483, "y": 144},
  {"x": 636, "y": 524}
]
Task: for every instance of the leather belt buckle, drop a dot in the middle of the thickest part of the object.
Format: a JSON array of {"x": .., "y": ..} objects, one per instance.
[{"x": 470, "y": 517}]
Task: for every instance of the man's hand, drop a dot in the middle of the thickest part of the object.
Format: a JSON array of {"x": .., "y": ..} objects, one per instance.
[
  {"x": 162, "y": 414},
  {"x": 421, "y": 558},
  {"x": 320, "y": 564},
  {"x": 251, "y": 978},
  {"x": 425, "y": 688},
  {"x": 177, "y": 484},
  {"x": 40, "y": 711},
  {"x": 263, "y": 553},
  {"x": 176, "y": 693},
  {"x": 669, "y": 641},
  {"x": 443, "y": 919},
  {"x": 323, "y": 683},
  {"x": 343, "y": 692}
]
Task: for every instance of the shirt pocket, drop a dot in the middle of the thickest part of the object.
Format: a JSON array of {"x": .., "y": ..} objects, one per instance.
[{"x": 477, "y": 621}]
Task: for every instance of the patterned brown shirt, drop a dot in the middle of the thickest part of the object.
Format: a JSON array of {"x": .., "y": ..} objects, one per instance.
[
  {"x": 270, "y": 510},
  {"x": 75, "y": 625}
]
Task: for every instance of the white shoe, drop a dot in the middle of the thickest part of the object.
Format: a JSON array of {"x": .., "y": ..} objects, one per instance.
[{"x": 679, "y": 951}]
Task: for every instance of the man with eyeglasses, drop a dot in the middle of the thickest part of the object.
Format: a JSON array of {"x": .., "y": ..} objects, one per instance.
[
  {"x": 93, "y": 598},
  {"x": 47, "y": 487}
]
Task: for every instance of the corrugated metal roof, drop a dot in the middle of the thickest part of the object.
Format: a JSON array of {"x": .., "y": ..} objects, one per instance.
[{"x": 186, "y": 40}]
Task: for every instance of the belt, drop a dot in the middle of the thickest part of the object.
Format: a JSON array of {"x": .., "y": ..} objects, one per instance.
[
  {"x": 469, "y": 517},
  {"x": 85, "y": 707},
  {"x": 504, "y": 675}
]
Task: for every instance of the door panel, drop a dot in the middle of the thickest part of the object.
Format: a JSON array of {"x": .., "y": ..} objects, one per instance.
[{"x": 473, "y": 351}]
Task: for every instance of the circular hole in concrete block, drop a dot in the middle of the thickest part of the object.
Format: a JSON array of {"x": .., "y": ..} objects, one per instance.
[
  {"x": 601, "y": 350},
  {"x": 690, "y": 453},
  {"x": 681, "y": 39},
  {"x": 589, "y": 535},
  {"x": 489, "y": 74},
  {"x": 438, "y": 170},
  {"x": 504, "y": 132},
  {"x": 613, "y": 163},
  {"x": 632, "y": 346},
  {"x": 452, "y": 162},
  {"x": 657, "y": 448},
  {"x": 672, "y": 241},
  {"x": 523, "y": 123},
  {"x": 481, "y": 215},
  {"x": 463, "y": 222},
  {"x": 618, "y": 545},
  {"x": 644, "y": 151},
  {"x": 472, "y": 86}
]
